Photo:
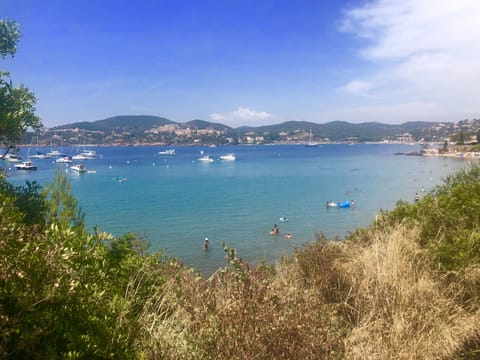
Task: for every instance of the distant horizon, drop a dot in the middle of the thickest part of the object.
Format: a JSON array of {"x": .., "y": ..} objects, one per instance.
[{"x": 249, "y": 63}]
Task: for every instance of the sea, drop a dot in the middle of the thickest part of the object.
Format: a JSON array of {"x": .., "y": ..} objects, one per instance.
[{"x": 176, "y": 201}]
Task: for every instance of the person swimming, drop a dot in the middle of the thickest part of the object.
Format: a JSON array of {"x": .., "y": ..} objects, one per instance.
[{"x": 275, "y": 230}]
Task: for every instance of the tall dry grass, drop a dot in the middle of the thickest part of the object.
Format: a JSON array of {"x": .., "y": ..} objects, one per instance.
[
  {"x": 402, "y": 309},
  {"x": 376, "y": 299}
]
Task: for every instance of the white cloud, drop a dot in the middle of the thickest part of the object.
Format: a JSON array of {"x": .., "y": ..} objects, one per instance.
[
  {"x": 423, "y": 52},
  {"x": 357, "y": 87},
  {"x": 243, "y": 117}
]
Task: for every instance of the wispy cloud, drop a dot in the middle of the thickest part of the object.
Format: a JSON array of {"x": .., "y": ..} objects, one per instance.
[
  {"x": 358, "y": 87},
  {"x": 423, "y": 52},
  {"x": 242, "y": 117}
]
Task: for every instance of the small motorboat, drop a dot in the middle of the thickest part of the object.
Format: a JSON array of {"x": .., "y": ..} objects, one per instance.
[
  {"x": 167, "y": 152},
  {"x": 26, "y": 165},
  {"x": 79, "y": 168},
  {"x": 64, "y": 159},
  {"x": 228, "y": 157},
  {"x": 283, "y": 219},
  {"x": 54, "y": 153},
  {"x": 205, "y": 159}
]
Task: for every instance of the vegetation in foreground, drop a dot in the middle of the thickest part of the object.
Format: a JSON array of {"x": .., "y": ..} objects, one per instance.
[{"x": 405, "y": 287}]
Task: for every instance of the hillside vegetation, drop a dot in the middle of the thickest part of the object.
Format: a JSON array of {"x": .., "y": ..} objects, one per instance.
[
  {"x": 406, "y": 287},
  {"x": 144, "y": 130}
]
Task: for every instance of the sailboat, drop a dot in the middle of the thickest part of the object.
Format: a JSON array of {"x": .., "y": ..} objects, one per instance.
[
  {"x": 55, "y": 153},
  {"x": 85, "y": 154},
  {"x": 310, "y": 142},
  {"x": 38, "y": 154}
]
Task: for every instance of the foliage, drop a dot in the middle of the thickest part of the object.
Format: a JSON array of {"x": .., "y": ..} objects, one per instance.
[
  {"x": 449, "y": 219},
  {"x": 17, "y": 104},
  {"x": 60, "y": 296},
  {"x": 62, "y": 207},
  {"x": 17, "y": 111},
  {"x": 9, "y": 37},
  {"x": 27, "y": 199}
]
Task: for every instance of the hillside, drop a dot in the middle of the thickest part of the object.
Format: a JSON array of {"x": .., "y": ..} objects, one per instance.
[
  {"x": 146, "y": 129},
  {"x": 336, "y": 130},
  {"x": 138, "y": 123}
]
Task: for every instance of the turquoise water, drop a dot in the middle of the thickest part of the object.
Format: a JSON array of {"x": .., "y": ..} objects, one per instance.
[{"x": 176, "y": 201}]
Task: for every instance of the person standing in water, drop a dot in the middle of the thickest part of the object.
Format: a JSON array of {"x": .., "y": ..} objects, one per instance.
[
  {"x": 275, "y": 230},
  {"x": 206, "y": 244}
]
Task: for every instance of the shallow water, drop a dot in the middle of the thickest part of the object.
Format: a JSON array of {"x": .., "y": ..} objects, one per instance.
[{"x": 176, "y": 201}]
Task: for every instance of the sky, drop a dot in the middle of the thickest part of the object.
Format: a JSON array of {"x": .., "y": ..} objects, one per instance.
[{"x": 249, "y": 62}]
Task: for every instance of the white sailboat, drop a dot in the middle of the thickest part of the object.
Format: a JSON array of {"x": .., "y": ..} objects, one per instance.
[
  {"x": 38, "y": 154},
  {"x": 56, "y": 153},
  {"x": 310, "y": 142},
  {"x": 85, "y": 154}
]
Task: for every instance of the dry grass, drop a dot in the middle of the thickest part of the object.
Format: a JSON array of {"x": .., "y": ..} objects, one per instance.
[{"x": 402, "y": 310}]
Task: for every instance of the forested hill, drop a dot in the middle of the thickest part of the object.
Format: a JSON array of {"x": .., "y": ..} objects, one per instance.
[
  {"x": 120, "y": 123},
  {"x": 146, "y": 128},
  {"x": 342, "y": 130},
  {"x": 135, "y": 123}
]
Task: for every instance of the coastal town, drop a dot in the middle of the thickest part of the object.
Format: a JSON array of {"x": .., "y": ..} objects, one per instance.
[{"x": 456, "y": 139}]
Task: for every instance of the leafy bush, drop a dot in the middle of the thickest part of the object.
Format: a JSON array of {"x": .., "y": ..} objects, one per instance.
[{"x": 59, "y": 294}]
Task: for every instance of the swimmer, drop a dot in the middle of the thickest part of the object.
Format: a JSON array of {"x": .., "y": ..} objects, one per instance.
[
  {"x": 288, "y": 236},
  {"x": 275, "y": 230}
]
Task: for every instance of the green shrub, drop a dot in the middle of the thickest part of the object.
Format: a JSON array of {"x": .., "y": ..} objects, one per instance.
[{"x": 448, "y": 218}]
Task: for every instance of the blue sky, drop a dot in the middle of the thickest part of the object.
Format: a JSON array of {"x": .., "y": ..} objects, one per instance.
[{"x": 242, "y": 62}]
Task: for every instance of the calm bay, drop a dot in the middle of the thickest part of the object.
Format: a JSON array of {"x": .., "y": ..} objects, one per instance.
[{"x": 175, "y": 201}]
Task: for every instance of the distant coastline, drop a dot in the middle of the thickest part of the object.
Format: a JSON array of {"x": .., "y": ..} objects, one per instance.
[
  {"x": 137, "y": 130},
  {"x": 467, "y": 152}
]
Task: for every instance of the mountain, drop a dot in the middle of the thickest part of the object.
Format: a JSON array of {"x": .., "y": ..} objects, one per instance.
[
  {"x": 147, "y": 129},
  {"x": 202, "y": 125},
  {"x": 342, "y": 130},
  {"x": 136, "y": 123}
]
